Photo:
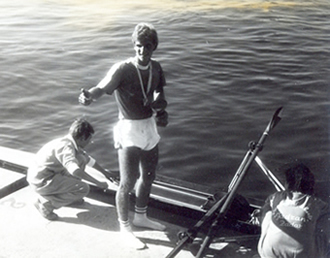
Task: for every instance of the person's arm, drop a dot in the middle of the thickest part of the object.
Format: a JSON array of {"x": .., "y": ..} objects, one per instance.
[
  {"x": 159, "y": 105},
  {"x": 67, "y": 156},
  {"x": 110, "y": 175},
  {"x": 159, "y": 102},
  {"x": 83, "y": 175},
  {"x": 107, "y": 85},
  {"x": 86, "y": 97}
]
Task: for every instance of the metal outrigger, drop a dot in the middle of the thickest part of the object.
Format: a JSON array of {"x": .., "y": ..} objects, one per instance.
[{"x": 216, "y": 214}]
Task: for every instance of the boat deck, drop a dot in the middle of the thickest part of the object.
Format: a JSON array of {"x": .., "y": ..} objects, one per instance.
[{"x": 91, "y": 230}]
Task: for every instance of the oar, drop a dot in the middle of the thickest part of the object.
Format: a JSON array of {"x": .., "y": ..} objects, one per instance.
[
  {"x": 272, "y": 123},
  {"x": 272, "y": 178},
  {"x": 239, "y": 170},
  {"x": 253, "y": 153},
  {"x": 13, "y": 187},
  {"x": 21, "y": 183},
  {"x": 16, "y": 185},
  {"x": 226, "y": 200},
  {"x": 190, "y": 234}
]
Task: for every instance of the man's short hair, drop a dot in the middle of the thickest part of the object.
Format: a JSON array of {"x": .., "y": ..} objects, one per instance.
[
  {"x": 145, "y": 31},
  {"x": 81, "y": 129}
]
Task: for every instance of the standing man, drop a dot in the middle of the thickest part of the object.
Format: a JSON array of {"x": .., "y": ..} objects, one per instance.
[
  {"x": 138, "y": 87},
  {"x": 56, "y": 176}
]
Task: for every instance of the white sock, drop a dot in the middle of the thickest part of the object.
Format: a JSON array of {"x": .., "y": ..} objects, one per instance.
[
  {"x": 141, "y": 220},
  {"x": 125, "y": 226}
]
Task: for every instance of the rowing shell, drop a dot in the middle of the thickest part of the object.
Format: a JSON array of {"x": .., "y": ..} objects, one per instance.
[{"x": 163, "y": 190}]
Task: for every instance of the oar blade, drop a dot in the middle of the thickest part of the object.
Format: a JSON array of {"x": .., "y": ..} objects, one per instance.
[{"x": 275, "y": 119}]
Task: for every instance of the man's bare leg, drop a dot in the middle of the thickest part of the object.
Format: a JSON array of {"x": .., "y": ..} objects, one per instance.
[
  {"x": 128, "y": 175},
  {"x": 148, "y": 165}
]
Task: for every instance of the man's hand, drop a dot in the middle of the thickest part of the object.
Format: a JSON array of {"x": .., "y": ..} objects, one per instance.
[
  {"x": 162, "y": 118},
  {"x": 85, "y": 97}
]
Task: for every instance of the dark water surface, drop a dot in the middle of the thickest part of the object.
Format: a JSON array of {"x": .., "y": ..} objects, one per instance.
[{"x": 228, "y": 66}]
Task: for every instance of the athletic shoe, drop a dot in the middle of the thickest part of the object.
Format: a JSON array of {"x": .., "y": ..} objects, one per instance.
[{"x": 50, "y": 215}]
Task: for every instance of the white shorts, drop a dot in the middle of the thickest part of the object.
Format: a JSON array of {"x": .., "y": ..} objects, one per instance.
[{"x": 139, "y": 133}]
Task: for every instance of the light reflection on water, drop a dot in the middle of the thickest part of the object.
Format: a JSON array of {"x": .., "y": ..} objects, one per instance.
[{"x": 228, "y": 66}]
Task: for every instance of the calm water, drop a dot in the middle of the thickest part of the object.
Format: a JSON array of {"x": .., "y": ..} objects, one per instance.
[{"x": 228, "y": 64}]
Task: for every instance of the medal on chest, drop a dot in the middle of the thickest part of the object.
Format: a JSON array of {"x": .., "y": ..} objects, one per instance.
[{"x": 138, "y": 67}]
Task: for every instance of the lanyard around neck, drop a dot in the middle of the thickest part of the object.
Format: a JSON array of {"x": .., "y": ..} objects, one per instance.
[{"x": 141, "y": 82}]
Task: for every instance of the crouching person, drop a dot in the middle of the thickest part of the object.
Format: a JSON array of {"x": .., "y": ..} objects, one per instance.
[
  {"x": 57, "y": 173},
  {"x": 291, "y": 218}
]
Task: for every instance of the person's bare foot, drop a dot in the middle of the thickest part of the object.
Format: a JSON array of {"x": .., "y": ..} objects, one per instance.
[
  {"x": 145, "y": 222},
  {"x": 130, "y": 240}
]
